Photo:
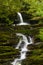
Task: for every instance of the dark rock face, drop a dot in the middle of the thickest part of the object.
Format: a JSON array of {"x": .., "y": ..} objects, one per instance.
[
  {"x": 34, "y": 21},
  {"x": 22, "y": 44}
]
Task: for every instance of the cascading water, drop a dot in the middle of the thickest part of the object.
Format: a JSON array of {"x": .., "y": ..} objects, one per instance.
[
  {"x": 23, "y": 48},
  {"x": 23, "y": 41},
  {"x": 21, "y": 20},
  {"x": 20, "y": 17}
]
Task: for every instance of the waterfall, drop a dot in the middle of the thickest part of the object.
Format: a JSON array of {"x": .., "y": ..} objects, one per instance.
[
  {"x": 21, "y": 19},
  {"x": 23, "y": 48}
]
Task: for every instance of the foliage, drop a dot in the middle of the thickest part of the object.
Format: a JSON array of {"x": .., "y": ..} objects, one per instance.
[
  {"x": 8, "y": 40},
  {"x": 9, "y": 8},
  {"x": 36, "y": 56},
  {"x": 35, "y": 7},
  {"x": 40, "y": 35}
]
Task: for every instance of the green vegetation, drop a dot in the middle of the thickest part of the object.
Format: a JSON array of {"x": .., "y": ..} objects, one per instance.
[
  {"x": 32, "y": 11},
  {"x": 41, "y": 34},
  {"x": 36, "y": 55},
  {"x": 9, "y": 9},
  {"x": 8, "y": 41}
]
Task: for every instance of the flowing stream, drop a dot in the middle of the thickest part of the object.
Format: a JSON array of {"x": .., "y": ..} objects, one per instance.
[
  {"x": 23, "y": 43},
  {"x": 23, "y": 48}
]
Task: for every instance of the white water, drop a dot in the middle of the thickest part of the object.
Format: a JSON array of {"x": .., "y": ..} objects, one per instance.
[
  {"x": 23, "y": 48},
  {"x": 24, "y": 40},
  {"x": 20, "y": 17},
  {"x": 21, "y": 20}
]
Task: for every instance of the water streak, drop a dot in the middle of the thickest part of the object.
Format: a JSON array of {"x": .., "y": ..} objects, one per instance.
[
  {"x": 21, "y": 19},
  {"x": 24, "y": 49}
]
